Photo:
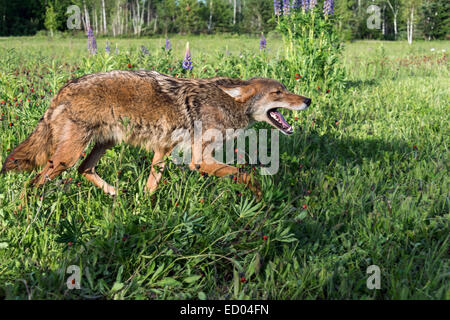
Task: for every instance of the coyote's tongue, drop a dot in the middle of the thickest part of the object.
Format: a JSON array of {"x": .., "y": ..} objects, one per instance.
[{"x": 279, "y": 118}]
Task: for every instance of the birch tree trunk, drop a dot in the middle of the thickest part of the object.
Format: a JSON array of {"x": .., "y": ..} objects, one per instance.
[
  {"x": 395, "y": 14},
  {"x": 95, "y": 20},
  {"x": 86, "y": 15},
  {"x": 149, "y": 12},
  {"x": 105, "y": 30},
  {"x": 234, "y": 12},
  {"x": 210, "y": 16},
  {"x": 410, "y": 26},
  {"x": 126, "y": 18}
]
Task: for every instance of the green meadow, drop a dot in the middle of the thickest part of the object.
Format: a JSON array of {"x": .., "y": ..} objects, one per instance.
[{"x": 362, "y": 181}]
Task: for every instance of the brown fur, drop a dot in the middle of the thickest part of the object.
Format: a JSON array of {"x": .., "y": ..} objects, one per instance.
[{"x": 141, "y": 108}]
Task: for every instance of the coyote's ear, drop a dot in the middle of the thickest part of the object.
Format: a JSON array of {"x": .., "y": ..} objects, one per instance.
[{"x": 239, "y": 93}]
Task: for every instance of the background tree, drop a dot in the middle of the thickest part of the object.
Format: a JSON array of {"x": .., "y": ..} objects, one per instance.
[
  {"x": 434, "y": 19},
  {"x": 51, "y": 21}
]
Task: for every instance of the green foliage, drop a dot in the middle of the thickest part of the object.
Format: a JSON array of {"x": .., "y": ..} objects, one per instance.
[
  {"x": 313, "y": 47},
  {"x": 51, "y": 22},
  {"x": 435, "y": 19}
]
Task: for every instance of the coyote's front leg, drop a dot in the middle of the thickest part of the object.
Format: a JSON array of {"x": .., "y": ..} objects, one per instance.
[
  {"x": 157, "y": 169},
  {"x": 218, "y": 169}
]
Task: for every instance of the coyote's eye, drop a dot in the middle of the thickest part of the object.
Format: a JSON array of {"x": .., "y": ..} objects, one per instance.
[{"x": 278, "y": 92}]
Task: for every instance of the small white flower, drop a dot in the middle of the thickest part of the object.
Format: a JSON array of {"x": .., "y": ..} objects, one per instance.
[{"x": 433, "y": 49}]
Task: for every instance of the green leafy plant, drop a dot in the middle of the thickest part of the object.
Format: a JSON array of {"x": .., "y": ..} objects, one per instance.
[{"x": 312, "y": 47}]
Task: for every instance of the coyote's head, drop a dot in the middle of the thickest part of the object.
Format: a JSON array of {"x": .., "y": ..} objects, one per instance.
[{"x": 263, "y": 97}]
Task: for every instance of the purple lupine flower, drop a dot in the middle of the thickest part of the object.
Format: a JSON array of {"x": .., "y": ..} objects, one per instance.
[
  {"x": 187, "y": 62},
  {"x": 92, "y": 43},
  {"x": 144, "y": 50},
  {"x": 328, "y": 7},
  {"x": 286, "y": 7},
  {"x": 107, "y": 48},
  {"x": 296, "y": 4},
  {"x": 168, "y": 45},
  {"x": 262, "y": 42},
  {"x": 312, "y": 4},
  {"x": 277, "y": 7},
  {"x": 305, "y": 5}
]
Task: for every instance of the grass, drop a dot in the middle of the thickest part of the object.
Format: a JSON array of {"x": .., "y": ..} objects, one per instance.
[{"x": 363, "y": 181}]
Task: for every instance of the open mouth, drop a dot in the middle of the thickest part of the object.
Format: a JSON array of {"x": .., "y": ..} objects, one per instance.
[{"x": 278, "y": 121}]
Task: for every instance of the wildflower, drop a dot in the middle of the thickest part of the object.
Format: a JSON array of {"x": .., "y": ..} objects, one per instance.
[
  {"x": 328, "y": 7},
  {"x": 312, "y": 4},
  {"x": 107, "y": 48},
  {"x": 2, "y": 102},
  {"x": 297, "y": 76},
  {"x": 415, "y": 147},
  {"x": 168, "y": 45},
  {"x": 286, "y": 7},
  {"x": 262, "y": 42},
  {"x": 277, "y": 7},
  {"x": 305, "y": 206},
  {"x": 296, "y": 4},
  {"x": 243, "y": 280},
  {"x": 130, "y": 66},
  {"x": 265, "y": 237},
  {"x": 92, "y": 43},
  {"x": 187, "y": 63},
  {"x": 70, "y": 243},
  {"x": 305, "y": 4},
  {"x": 144, "y": 50}
]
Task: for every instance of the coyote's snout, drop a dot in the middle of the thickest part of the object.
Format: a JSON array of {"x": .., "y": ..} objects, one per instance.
[{"x": 144, "y": 108}]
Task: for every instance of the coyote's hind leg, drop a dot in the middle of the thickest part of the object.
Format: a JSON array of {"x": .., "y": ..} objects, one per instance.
[
  {"x": 87, "y": 168},
  {"x": 71, "y": 142}
]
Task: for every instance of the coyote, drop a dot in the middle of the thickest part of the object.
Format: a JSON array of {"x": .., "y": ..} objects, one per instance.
[{"x": 96, "y": 107}]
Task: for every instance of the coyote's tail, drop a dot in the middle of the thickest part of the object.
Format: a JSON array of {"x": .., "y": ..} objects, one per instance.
[{"x": 33, "y": 152}]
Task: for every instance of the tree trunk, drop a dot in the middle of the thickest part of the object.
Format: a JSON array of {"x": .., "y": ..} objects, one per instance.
[
  {"x": 95, "y": 20},
  {"x": 210, "y": 16},
  {"x": 105, "y": 30},
  {"x": 126, "y": 18},
  {"x": 86, "y": 15},
  {"x": 410, "y": 26},
  {"x": 394, "y": 13},
  {"x": 234, "y": 12}
]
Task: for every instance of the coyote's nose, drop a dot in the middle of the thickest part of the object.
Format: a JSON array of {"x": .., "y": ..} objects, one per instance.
[{"x": 307, "y": 101}]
